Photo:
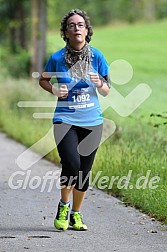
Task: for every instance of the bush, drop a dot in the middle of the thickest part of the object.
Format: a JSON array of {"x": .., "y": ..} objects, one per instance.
[{"x": 17, "y": 65}]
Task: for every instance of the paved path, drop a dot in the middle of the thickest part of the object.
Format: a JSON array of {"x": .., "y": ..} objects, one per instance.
[{"x": 26, "y": 215}]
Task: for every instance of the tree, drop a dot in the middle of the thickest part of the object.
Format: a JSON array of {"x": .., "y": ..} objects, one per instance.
[
  {"x": 13, "y": 17},
  {"x": 39, "y": 11},
  {"x": 149, "y": 10}
]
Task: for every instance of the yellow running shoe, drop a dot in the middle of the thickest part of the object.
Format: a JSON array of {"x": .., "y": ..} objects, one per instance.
[
  {"x": 76, "y": 222},
  {"x": 61, "y": 220}
]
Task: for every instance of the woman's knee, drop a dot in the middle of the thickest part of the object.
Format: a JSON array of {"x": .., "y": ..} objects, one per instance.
[
  {"x": 70, "y": 166},
  {"x": 82, "y": 182},
  {"x": 69, "y": 172}
]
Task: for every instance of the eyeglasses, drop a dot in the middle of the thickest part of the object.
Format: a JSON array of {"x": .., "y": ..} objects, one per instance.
[{"x": 72, "y": 26}]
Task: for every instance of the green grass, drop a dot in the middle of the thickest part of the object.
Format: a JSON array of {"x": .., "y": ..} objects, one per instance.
[{"x": 136, "y": 146}]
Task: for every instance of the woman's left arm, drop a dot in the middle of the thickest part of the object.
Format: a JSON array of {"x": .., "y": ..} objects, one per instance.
[{"x": 100, "y": 83}]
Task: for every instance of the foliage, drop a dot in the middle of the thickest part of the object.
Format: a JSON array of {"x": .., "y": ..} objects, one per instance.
[
  {"x": 14, "y": 23},
  {"x": 17, "y": 27},
  {"x": 16, "y": 65},
  {"x": 161, "y": 9},
  {"x": 159, "y": 116},
  {"x": 106, "y": 11}
]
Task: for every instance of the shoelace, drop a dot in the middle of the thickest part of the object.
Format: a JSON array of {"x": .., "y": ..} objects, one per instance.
[
  {"x": 78, "y": 218},
  {"x": 63, "y": 212}
]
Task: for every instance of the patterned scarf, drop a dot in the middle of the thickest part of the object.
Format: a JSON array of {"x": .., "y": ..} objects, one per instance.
[{"x": 79, "y": 62}]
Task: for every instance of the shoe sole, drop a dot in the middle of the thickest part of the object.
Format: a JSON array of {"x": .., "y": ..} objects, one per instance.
[
  {"x": 59, "y": 228},
  {"x": 81, "y": 229}
]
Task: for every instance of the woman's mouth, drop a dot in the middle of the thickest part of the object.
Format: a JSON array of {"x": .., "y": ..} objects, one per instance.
[{"x": 77, "y": 34}]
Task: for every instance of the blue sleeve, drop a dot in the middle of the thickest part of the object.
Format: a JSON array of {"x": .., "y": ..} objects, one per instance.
[
  {"x": 50, "y": 65},
  {"x": 103, "y": 68}
]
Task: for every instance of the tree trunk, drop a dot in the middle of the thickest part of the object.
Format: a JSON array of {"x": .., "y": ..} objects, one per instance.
[
  {"x": 22, "y": 27},
  {"x": 38, "y": 35},
  {"x": 12, "y": 28},
  {"x": 149, "y": 10}
]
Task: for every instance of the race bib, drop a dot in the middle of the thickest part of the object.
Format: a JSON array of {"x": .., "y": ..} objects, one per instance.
[{"x": 80, "y": 98}]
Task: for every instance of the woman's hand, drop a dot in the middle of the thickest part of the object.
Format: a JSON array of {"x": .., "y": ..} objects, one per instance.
[
  {"x": 61, "y": 92},
  {"x": 101, "y": 85},
  {"x": 94, "y": 77}
]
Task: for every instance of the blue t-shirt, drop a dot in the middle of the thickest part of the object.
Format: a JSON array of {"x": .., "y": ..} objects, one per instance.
[{"x": 81, "y": 107}]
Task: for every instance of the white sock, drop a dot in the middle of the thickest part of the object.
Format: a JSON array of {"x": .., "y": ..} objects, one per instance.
[
  {"x": 73, "y": 211},
  {"x": 64, "y": 203}
]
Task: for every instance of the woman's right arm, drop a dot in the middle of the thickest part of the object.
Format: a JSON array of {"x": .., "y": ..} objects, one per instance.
[{"x": 45, "y": 83}]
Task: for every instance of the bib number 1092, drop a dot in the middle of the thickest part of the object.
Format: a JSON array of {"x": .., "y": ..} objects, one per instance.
[{"x": 81, "y": 98}]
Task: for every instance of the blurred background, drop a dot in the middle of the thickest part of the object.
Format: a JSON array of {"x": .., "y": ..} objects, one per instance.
[{"x": 25, "y": 23}]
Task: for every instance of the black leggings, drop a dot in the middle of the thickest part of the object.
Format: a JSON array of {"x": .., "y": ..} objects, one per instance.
[{"x": 77, "y": 147}]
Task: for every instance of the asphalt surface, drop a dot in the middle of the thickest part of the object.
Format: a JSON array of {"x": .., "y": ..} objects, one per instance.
[{"x": 27, "y": 213}]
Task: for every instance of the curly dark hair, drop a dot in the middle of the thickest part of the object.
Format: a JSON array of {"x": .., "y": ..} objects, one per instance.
[{"x": 83, "y": 14}]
